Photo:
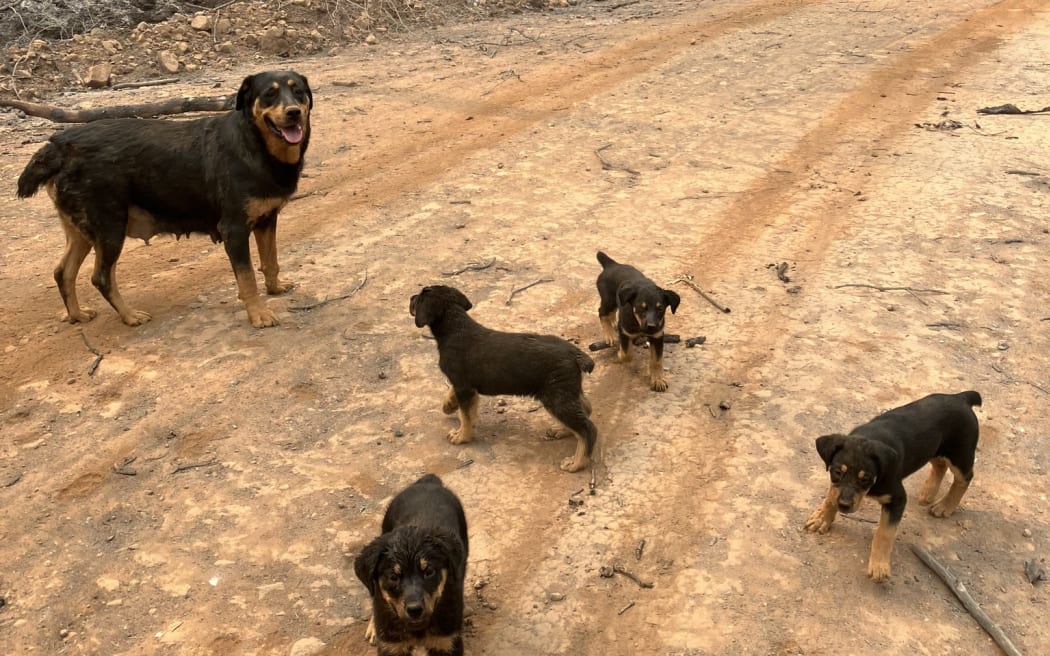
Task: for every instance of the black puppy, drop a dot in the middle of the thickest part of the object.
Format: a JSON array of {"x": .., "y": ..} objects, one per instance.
[
  {"x": 876, "y": 457},
  {"x": 414, "y": 572},
  {"x": 477, "y": 360},
  {"x": 641, "y": 305}
]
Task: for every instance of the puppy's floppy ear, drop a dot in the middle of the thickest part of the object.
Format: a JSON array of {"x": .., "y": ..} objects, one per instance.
[
  {"x": 672, "y": 299},
  {"x": 426, "y": 308},
  {"x": 828, "y": 446},
  {"x": 885, "y": 455},
  {"x": 626, "y": 294},
  {"x": 245, "y": 96},
  {"x": 366, "y": 565},
  {"x": 450, "y": 545}
]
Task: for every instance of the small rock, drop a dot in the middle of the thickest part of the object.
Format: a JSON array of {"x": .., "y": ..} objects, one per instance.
[
  {"x": 306, "y": 647},
  {"x": 1027, "y": 532},
  {"x": 371, "y": 40},
  {"x": 557, "y": 596},
  {"x": 98, "y": 76},
  {"x": 1003, "y": 346},
  {"x": 201, "y": 22},
  {"x": 169, "y": 63}
]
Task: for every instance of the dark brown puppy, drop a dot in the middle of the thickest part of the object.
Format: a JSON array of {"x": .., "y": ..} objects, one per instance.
[
  {"x": 414, "y": 572},
  {"x": 477, "y": 360},
  {"x": 641, "y": 306},
  {"x": 226, "y": 176},
  {"x": 876, "y": 457}
]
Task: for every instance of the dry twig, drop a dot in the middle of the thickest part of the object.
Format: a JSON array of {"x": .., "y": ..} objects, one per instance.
[
  {"x": 98, "y": 354},
  {"x": 609, "y": 166},
  {"x": 326, "y": 300},
  {"x": 687, "y": 278},
  {"x": 144, "y": 110},
  {"x": 515, "y": 292},
  {"x": 471, "y": 266},
  {"x": 194, "y": 465},
  {"x": 968, "y": 602}
]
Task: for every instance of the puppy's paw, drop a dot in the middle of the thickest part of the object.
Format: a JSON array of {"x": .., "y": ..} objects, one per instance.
[
  {"x": 658, "y": 385},
  {"x": 878, "y": 570},
  {"x": 370, "y": 632},
  {"x": 818, "y": 522},
  {"x": 623, "y": 356},
  {"x": 278, "y": 287},
  {"x": 82, "y": 316},
  {"x": 942, "y": 509},
  {"x": 557, "y": 433},
  {"x": 135, "y": 317},
  {"x": 459, "y": 436},
  {"x": 574, "y": 465}
]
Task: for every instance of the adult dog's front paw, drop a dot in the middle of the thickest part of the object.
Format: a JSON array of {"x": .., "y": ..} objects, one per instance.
[
  {"x": 818, "y": 521},
  {"x": 459, "y": 436}
]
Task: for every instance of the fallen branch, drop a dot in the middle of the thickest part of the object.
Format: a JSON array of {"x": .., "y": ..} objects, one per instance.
[
  {"x": 471, "y": 266},
  {"x": 609, "y": 166},
  {"x": 687, "y": 278},
  {"x": 123, "y": 469},
  {"x": 514, "y": 292},
  {"x": 98, "y": 355},
  {"x": 326, "y": 300},
  {"x": 640, "y": 549},
  {"x": 1011, "y": 109},
  {"x": 145, "y": 110},
  {"x": 631, "y": 575},
  {"x": 194, "y": 465},
  {"x": 625, "y": 608},
  {"x": 912, "y": 290},
  {"x": 967, "y": 601},
  {"x": 144, "y": 83}
]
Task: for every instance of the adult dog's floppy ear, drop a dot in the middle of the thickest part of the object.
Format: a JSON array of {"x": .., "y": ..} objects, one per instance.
[
  {"x": 244, "y": 96},
  {"x": 828, "y": 446},
  {"x": 672, "y": 299},
  {"x": 366, "y": 565},
  {"x": 309, "y": 93}
]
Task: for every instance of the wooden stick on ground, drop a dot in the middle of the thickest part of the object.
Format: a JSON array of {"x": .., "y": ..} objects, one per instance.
[
  {"x": 967, "y": 601},
  {"x": 688, "y": 279},
  {"x": 145, "y": 110}
]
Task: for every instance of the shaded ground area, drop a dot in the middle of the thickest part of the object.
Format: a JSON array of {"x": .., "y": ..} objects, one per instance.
[{"x": 203, "y": 490}]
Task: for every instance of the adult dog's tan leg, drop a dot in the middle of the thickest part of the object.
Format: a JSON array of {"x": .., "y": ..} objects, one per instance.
[
  {"x": 881, "y": 547},
  {"x": 468, "y": 416},
  {"x": 77, "y": 249},
  {"x": 821, "y": 518},
  {"x": 248, "y": 291},
  {"x": 266, "y": 243},
  {"x": 451, "y": 403},
  {"x": 580, "y": 459},
  {"x": 928, "y": 492}
]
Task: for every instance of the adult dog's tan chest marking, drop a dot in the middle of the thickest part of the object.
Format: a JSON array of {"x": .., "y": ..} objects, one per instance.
[{"x": 257, "y": 208}]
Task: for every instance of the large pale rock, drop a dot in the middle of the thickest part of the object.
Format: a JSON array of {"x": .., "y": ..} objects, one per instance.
[
  {"x": 98, "y": 76},
  {"x": 169, "y": 63}
]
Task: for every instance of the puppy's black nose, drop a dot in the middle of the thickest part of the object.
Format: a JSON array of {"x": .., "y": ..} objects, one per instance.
[
  {"x": 293, "y": 112},
  {"x": 414, "y": 609}
]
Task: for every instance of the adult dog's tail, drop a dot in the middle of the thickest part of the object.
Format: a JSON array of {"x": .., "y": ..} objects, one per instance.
[
  {"x": 605, "y": 260},
  {"x": 971, "y": 397},
  {"x": 44, "y": 165}
]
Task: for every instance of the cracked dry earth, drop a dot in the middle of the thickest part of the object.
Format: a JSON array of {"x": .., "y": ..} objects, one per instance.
[{"x": 203, "y": 491}]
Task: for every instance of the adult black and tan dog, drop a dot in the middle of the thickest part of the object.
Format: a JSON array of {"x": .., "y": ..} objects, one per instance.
[
  {"x": 415, "y": 571},
  {"x": 477, "y": 360},
  {"x": 640, "y": 305},
  {"x": 226, "y": 176},
  {"x": 876, "y": 457}
]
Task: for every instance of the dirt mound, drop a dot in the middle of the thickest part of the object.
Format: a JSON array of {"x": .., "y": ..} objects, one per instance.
[{"x": 56, "y": 45}]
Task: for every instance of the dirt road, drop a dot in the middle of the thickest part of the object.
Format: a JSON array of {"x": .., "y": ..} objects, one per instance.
[{"x": 203, "y": 491}]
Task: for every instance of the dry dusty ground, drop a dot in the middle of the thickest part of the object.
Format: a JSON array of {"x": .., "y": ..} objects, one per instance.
[{"x": 740, "y": 134}]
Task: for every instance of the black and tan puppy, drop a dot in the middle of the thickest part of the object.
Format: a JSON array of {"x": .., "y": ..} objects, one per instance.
[
  {"x": 641, "y": 306},
  {"x": 477, "y": 360},
  {"x": 415, "y": 571},
  {"x": 876, "y": 457},
  {"x": 226, "y": 176}
]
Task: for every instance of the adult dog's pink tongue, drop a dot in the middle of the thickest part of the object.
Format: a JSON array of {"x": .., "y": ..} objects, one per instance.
[{"x": 293, "y": 134}]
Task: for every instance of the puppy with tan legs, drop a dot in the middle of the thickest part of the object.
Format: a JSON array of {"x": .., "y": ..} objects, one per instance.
[
  {"x": 634, "y": 306},
  {"x": 874, "y": 459},
  {"x": 480, "y": 361}
]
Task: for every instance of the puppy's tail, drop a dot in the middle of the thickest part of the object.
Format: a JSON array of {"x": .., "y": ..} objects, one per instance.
[
  {"x": 44, "y": 165},
  {"x": 971, "y": 397},
  {"x": 605, "y": 260},
  {"x": 584, "y": 361}
]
